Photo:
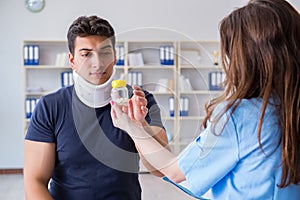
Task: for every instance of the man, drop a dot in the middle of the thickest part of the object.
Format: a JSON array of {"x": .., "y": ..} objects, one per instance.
[{"x": 71, "y": 138}]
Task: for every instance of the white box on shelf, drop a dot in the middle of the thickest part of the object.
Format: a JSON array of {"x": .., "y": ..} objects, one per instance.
[{"x": 189, "y": 57}]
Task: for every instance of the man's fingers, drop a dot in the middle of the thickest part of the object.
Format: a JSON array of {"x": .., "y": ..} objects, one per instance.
[
  {"x": 144, "y": 109},
  {"x": 130, "y": 109},
  {"x": 143, "y": 101}
]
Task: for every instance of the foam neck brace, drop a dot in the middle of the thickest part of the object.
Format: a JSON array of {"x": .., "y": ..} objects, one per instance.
[{"x": 94, "y": 96}]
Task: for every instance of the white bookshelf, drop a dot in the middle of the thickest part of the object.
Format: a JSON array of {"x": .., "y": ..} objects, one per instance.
[{"x": 46, "y": 77}]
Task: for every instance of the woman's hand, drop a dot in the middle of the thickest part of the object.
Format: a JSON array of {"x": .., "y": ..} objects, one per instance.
[
  {"x": 120, "y": 116},
  {"x": 121, "y": 120}
]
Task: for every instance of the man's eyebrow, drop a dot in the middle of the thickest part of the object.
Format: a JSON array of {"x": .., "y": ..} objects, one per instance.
[
  {"x": 85, "y": 49},
  {"x": 106, "y": 46}
]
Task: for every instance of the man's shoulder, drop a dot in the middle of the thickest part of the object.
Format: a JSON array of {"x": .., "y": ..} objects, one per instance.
[
  {"x": 61, "y": 96},
  {"x": 60, "y": 93}
]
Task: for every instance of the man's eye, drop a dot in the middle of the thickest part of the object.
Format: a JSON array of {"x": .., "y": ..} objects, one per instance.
[
  {"x": 85, "y": 54},
  {"x": 107, "y": 53}
]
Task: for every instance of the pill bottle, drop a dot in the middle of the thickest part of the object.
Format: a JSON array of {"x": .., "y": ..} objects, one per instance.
[{"x": 119, "y": 92}]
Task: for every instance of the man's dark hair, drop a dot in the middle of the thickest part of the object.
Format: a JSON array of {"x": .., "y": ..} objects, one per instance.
[{"x": 89, "y": 25}]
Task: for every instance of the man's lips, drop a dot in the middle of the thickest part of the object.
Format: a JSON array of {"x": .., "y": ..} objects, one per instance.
[{"x": 97, "y": 73}]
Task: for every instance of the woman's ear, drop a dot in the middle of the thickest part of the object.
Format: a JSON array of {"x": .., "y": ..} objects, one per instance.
[{"x": 71, "y": 61}]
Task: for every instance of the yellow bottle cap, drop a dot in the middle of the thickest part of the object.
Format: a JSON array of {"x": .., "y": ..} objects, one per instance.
[{"x": 118, "y": 83}]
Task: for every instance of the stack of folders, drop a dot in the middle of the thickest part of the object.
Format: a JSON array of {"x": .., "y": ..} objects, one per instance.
[
  {"x": 135, "y": 78},
  {"x": 135, "y": 59},
  {"x": 62, "y": 59},
  {"x": 166, "y": 55},
  {"x": 31, "y": 54},
  {"x": 66, "y": 78},
  {"x": 120, "y": 54},
  {"x": 171, "y": 106},
  {"x": 216, "y": 80},
  {"x": 184, "y": 106},
  {"x": 30, "y": 104}
]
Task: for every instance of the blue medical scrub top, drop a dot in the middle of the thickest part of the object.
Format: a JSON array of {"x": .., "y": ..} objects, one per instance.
[
  {"x": 232, "y": 164},
  {"x": 94, "y": 160}
]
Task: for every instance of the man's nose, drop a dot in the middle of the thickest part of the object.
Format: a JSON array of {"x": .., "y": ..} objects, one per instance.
[{"x": 97, "y": 62}]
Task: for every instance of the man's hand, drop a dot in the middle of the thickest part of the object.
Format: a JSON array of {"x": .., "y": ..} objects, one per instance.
[{"x": 137, "y": 110}]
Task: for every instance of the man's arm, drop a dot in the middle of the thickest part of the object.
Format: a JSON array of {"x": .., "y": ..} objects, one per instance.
[{"x": 39, "y": 161}]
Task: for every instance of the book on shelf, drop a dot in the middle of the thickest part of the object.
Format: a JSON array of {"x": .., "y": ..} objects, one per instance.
[
  {"x": 135, "y": 59},
  {"x": 62, "y": 60},
  {"x": 216, "y": 79},
  {"x": 166, "y": 55},
  {"x": 184, "y": 106},
  {"x": 31, "y": 54},
  {"x": 66, "y": 78},
  {"x": 184, "y": 84},
  {"x": 120, "y": 54},
  {"x": 134, "y": 78},
  {"x": 164, "y": 85},
  {"x": 30, "y": 104},
  {"x": 171, "y": 106},
  {"x": 190, "y": 57}
]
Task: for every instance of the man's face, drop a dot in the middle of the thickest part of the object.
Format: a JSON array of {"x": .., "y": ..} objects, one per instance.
[{"x": 93, "y": 59}]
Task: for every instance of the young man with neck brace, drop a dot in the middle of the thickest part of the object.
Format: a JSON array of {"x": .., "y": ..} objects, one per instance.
[{"x": 71, "y": 140}]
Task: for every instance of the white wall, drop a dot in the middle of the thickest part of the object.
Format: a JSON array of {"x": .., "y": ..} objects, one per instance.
[{"x": 173, "y": 20}]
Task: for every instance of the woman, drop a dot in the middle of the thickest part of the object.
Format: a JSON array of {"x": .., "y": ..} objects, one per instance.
[{"x": 249, "y": 148}]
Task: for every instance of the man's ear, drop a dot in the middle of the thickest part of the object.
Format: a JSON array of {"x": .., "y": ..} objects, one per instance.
[
  {"x": 71, "y": 61},
  {"x": 115, "y": 57}
]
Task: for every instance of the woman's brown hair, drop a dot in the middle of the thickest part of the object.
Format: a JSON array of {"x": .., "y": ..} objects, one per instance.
[{"x": 260, "y": 50}]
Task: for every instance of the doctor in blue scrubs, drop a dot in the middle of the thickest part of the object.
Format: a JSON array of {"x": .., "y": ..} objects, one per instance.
[{"x": 249, "y": 146}]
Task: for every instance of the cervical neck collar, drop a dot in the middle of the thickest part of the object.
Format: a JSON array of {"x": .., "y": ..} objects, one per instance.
[{"x": 94, "y": 96}]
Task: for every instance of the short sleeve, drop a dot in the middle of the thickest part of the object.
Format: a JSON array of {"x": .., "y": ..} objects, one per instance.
[
  {"x": 41, "y": 127},
  {"x": 210, "y": 157},
  {"x": 153, "y": 117}
]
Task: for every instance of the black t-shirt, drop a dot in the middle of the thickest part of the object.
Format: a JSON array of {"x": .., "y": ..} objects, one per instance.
[{"x": 94, "y": 160}]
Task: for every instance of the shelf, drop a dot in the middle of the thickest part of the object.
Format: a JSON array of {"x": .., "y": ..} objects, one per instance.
[
  {"x": 45, "y": 67},
  {"x": 191, "y": 118},
  {"x": 168, "y": 118},
  {"x": 161, "y": 93},
  {"x": 38, "y": 93},
  {"x": 163, "y": 81},
  {"x": 210, "y": 92},
  {"x": 153, "y": 67},
  {"x": 208, "y": 67}
]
